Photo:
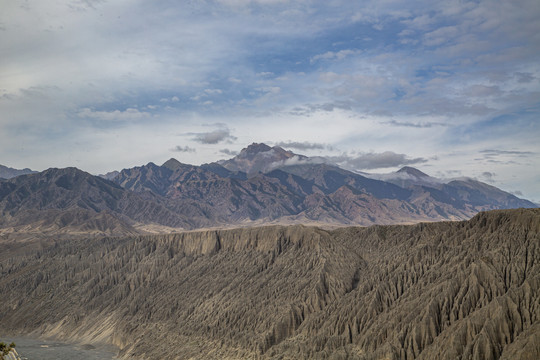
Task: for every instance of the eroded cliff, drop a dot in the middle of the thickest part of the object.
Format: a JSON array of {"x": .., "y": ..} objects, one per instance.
[{"x": 465, "y": 290}]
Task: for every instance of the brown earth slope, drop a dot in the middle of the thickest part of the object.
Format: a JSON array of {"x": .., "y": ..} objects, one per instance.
[{"x": 451, "y": 290}]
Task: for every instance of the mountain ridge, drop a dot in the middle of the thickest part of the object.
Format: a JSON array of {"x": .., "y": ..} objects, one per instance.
[{"x": 53, "y": 194}]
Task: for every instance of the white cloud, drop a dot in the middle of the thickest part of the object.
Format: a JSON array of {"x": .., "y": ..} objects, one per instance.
[
  {"x": 441, "y": 35},
  {"x": 356, "y": 162},
  {"x": 242, "y": 3},
  {"x": 331, "y": 55},
  {"x": 228, "y": 152},
  {"x": 482, "y": 91},
  {"x": 214, "y": 136},
  {"x": 213, "y": 91},
  {"x": 370, "y": 161},
  {"x": 304, "y": 145},
  {"x": 425, "y": 124},
  {"x": 420, "y": 22},
  {"x": 129, "y": 114},
  {"x": 234, "y": 80},
  {"x": 187, "y": 149}
]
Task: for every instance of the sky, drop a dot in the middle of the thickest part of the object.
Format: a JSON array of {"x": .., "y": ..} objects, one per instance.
[{"x": 449, "y": 87}]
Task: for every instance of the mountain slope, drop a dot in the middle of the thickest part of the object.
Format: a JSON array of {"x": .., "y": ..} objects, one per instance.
[
  {"x": 467, "y": 196},
  {"x": 149, "y": 177},
  {"x": 318, "y": 194},
  {"x": 48, "y": 197},
  {"x": 482, "y": 196},
  {"x": 466, "y": 290},
  {"x": 330, "y": 178},
  {"x": 225, "y": 197}
]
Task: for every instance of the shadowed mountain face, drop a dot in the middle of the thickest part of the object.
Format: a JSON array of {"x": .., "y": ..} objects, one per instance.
[
  {"x": 58, "y": 198},
  {"x": 448, "y": 290}
]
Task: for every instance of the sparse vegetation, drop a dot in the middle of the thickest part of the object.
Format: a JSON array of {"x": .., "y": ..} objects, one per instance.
[{"x": 5, "y": 349}]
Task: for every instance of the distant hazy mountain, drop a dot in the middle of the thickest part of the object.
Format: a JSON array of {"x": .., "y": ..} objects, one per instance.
[
  {"x": 483, "y": 196},
  {"x": 110, "y": 175},
  {"x": 463, "y": 193},
  {"x": 8, "y": 173},
  {"x": 407, "y": 177}
]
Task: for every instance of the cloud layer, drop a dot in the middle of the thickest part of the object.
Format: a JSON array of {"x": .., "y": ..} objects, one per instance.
[
  {"x": 452, "y": 86},
  {"x": 370, "y": 161}
]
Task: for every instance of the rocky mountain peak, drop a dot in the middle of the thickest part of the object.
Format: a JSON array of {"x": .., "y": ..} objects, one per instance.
[
  {"x": 172, "y": 164},
  {"x": 257, "y": 157},
  {"x": 256, "y": 148},
  {"x": 110, "y": 175},
  {"x": 413, "y": 172}
]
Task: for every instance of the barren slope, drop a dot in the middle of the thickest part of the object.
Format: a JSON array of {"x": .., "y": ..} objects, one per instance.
[{"x": 461, "y": 290}]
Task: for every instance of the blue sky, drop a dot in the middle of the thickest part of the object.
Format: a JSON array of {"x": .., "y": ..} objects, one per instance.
[{"x": 450, "y": 87}]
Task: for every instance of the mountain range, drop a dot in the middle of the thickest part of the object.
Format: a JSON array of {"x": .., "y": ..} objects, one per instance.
[{"x": 261, "y": 185}]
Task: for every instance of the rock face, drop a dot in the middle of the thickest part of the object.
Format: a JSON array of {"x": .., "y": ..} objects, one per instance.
[
  {"x": 75, "y": 200},
  {"x": 449, "y": 290}
]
